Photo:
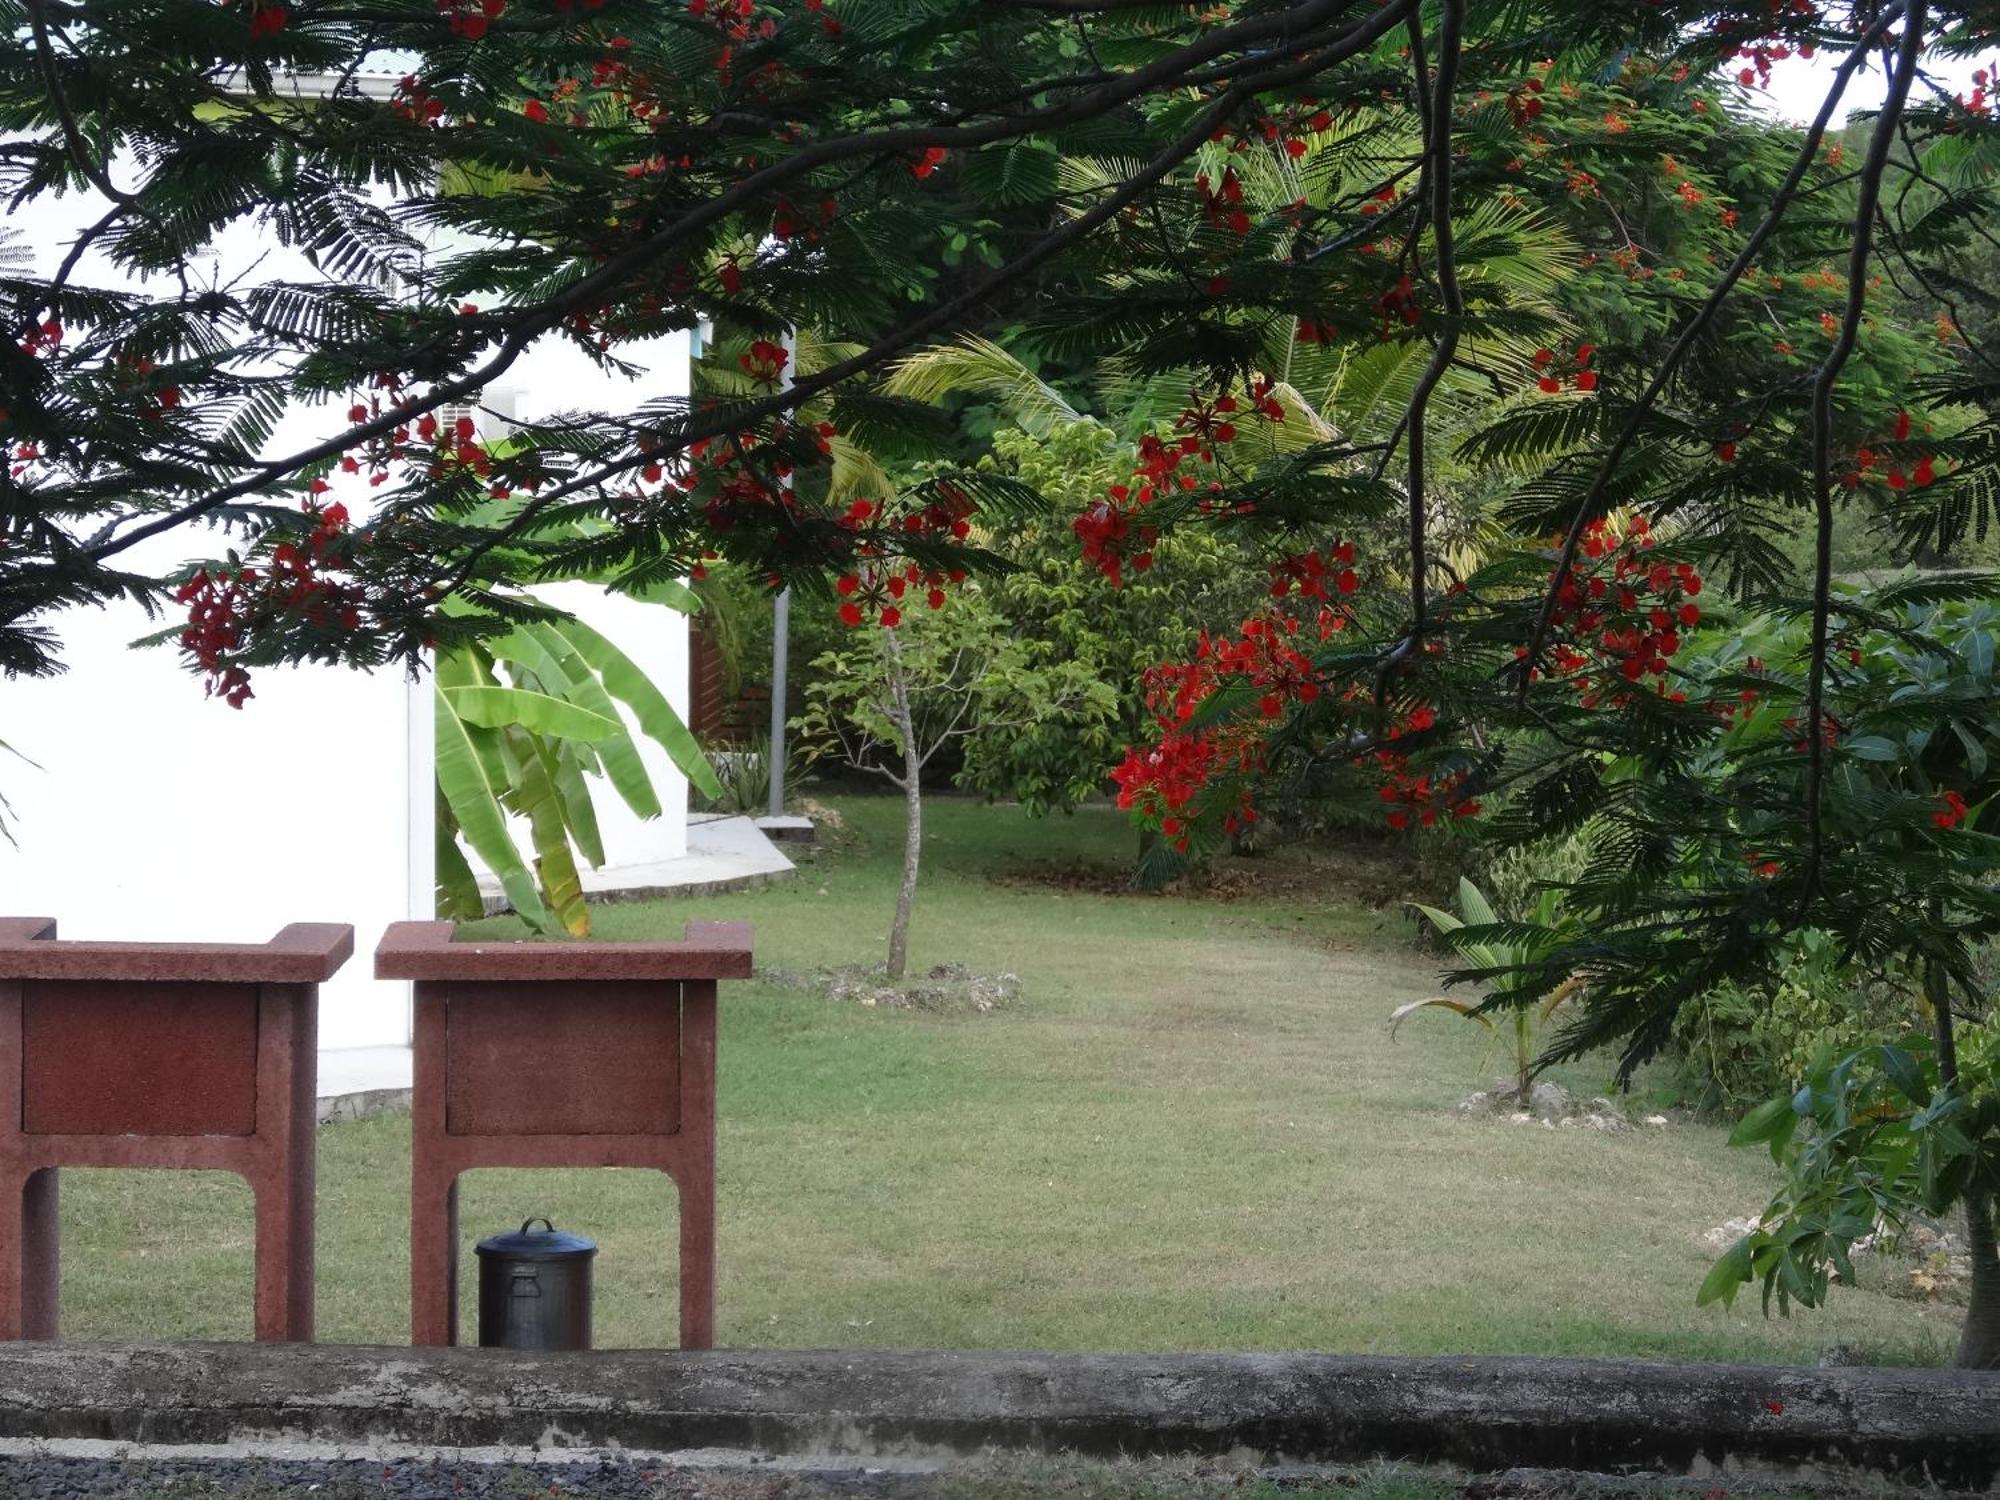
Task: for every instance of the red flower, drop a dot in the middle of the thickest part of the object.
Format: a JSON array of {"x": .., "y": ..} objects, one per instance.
[
  {"x": 1954, "y": 811},
  {"x": 850, "y": 614},
  {"x": 535, "y": 110}
]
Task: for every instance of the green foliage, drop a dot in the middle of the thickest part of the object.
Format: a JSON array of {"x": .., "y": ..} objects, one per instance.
[
  {"x": 532, "y": 750},
  {"x": 1739, "y": 1044},
  {"x": 1052, "y": 608},
  {"x": 744, "y": 773},
  {"x": 968, "y": 677},
  {"x": 1871, "y": 1138}
]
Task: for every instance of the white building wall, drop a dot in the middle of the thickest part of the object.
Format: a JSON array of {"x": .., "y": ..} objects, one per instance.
[{"x": 156, "y": 814}]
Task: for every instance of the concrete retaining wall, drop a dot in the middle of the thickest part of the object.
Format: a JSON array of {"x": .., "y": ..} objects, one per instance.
[{"x": 1485, "y": 1413}]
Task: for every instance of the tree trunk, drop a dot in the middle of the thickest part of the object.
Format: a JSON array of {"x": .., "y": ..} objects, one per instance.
[
  {"x": 1979, "y": 1340},
  {"x": 913, "y": 805}
]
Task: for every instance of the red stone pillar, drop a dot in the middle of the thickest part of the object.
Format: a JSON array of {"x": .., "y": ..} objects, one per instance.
[
  {"x": 561, "y": 1055},
  {"x": 160, "y": 1055}
]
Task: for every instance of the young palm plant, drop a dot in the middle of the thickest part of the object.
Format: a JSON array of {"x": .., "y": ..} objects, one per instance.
[{"x": 1487, "y": 943}]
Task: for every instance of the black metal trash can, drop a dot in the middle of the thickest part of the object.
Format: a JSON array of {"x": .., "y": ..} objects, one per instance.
[{"x": 534, "y": 1289}]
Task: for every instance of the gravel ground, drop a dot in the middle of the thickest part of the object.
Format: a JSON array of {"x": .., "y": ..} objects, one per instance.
[
  {"x": 49, "y": 1477},
  {"x": 62, "y": 1478}
]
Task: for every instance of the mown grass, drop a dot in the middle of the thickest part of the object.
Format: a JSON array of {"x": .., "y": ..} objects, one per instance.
[{"x": 1193, "y": 1132}]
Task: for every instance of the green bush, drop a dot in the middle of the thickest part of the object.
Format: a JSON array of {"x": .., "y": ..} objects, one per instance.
[{"x": 1738, "y": 1045}]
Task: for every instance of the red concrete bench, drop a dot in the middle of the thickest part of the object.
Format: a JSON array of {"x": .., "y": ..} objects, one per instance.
[
  {"x": 561, "y": 1055},
  {"x": 200, "y": 1055}
]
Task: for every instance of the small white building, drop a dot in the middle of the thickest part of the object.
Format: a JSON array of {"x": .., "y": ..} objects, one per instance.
[{"x": 153, "y": 813}]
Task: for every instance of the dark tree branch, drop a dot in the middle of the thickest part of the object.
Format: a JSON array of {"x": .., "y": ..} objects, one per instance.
[
  {"x": 1437, "y": 110},
  {"x": 79, "y": 150},
  {"x": 1873, "y": 167}
]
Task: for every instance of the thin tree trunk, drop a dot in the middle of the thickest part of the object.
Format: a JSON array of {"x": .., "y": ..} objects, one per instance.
[
  {"x": 913, "y": 804},
  {"x": 1979, "y": 1340}
]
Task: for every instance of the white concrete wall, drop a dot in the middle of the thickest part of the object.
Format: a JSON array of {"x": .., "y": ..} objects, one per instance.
[{"x": 158, "y": 814}]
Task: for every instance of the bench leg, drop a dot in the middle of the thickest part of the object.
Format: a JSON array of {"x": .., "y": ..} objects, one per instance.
[
  {"x": 30, "y": 1257},
  {"x": 697, "y": 1207},
  {"x": 433, "y": 1259},
  {"x": 285, "y": 1256}
]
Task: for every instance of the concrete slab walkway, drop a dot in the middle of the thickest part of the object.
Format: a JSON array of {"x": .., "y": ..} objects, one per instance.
[{"x": 724, "y": 853}]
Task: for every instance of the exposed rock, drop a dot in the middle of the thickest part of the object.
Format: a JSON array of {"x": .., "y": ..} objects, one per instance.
[
  {"x": 1548, "y": 1101},
  {"x": 947, "y": 987}
]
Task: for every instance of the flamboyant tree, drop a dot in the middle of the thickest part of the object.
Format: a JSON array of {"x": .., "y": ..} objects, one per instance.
[{"x": 1244, "y": 198}]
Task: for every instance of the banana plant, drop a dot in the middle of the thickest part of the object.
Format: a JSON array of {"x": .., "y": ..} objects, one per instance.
[
  {"x": 527, "y": 723},
  {"x": 1474, "y": 911}
]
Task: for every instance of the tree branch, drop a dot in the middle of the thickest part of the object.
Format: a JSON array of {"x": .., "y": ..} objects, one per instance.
[{"x": 1870, "y": 192}]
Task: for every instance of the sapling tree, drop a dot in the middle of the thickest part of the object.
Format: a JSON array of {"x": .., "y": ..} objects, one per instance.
[{"x": 890, "y": 702}]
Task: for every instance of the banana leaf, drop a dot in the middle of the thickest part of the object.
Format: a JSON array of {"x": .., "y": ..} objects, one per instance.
[
  {"x": 619, "y": 754},
  {"x": 538, "y": 713},
  {"x": 467, "y": 759},
  {"x": 632, "y": 687}
]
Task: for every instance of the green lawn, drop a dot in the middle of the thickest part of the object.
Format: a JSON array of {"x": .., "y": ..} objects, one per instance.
[{"x": 1193, "y": 1132}]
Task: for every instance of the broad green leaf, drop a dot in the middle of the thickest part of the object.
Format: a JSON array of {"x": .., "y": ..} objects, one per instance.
[
  {"x": 538, "y": 713},
  {"x": 1766, "y": 1122},
  {"x": 537, "y": 800},
  {"x": 579, "y": 812},
  {"x": 632, "y": 687},
  {"x": 457, "y": 887},
  {"x": 464, "y": 777},
  {"x": 1473, "y": 904},
  {"x": 1874, "y": 747},
  {"x": 619, "y": 753},
  {"x": 1726, "y": 1277},
  {"x": 1443, "y": 921}
]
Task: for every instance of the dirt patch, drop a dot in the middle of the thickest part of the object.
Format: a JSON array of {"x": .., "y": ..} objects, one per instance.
[
  {"x": 1362, "y": 870},
  {"x": 944, "y": 989}
]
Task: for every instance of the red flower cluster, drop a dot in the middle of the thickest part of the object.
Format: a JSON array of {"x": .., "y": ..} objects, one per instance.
[
  {"x": 1222, "y": 206},
  {"x": 1416, "y": 796},
  {"x": 1524, "y": 103},
  {"x": 413, "y": 102},
  {"x": 1161, "y": 781},
  {"x": 266, "y": 19},
  {"x": 1624, "y": 627},
  {"x": 1399, "y": 303},
  {"x": 471, "y": 18},
  {"x": 1311, "y": 574},
  {"x": 1953, "y": 813},
  {"x": 215, "y": 628},
  {"x": 883, "y": 588},
  {"x": 882, "y": 582},
  {"x": 221, "y": 605},
  {"x": 1572, "y": 369}
]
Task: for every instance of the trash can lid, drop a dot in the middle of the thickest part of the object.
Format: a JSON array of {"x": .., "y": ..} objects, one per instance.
[{"x": 529, "y": 1243}]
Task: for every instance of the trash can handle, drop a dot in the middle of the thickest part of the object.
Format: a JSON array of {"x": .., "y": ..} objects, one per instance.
[{"x": 527, "y": 1223}]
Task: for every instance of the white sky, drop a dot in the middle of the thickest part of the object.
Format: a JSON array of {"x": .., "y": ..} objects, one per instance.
[{"x": 1799, "y": 85}]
